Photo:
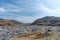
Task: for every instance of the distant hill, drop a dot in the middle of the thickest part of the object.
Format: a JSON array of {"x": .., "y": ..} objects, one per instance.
[
  {"x": 47, "y": 21},
  {"x": 8, "y": 22}
]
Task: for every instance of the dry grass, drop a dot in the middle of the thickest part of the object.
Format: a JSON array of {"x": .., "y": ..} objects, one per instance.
[
  {"x": 30, "y": 33},
  {"x": 36, "y": 36}
]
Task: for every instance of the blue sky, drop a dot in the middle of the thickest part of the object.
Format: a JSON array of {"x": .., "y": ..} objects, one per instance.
[{"x": 28, "y": 10}]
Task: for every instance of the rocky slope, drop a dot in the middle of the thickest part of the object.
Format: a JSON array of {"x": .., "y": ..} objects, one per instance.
[
  {"x": 11, "y": 29},
  {"x": 40, "y": 35},
  {"x": 7, "y": 22},
  {"x": 48, "y": 21}
]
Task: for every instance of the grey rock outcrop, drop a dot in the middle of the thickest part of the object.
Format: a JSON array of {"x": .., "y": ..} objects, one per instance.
[{"x": 48, "y": 21}]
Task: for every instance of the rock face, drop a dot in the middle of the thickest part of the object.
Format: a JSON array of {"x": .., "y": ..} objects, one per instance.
[
  {"x": 6, "y": 22},
  {"x": 48, "y": 21}
]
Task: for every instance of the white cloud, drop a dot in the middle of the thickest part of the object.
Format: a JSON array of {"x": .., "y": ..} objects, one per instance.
[
  {"x": 2, "y": 10},
  {"x": 54, "y": 3},
  {"x": 48, "y": 10},
  {"x": 45, "y": 8},
  {"x": 57, "y": 10},
  {"x": 10, "y": 10},
  {"x": 26, "y": 19},
  {"x": 13, "y": 8}
]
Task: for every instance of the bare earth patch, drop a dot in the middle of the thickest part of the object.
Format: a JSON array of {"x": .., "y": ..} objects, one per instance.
[{"x": 36, "y": 36}]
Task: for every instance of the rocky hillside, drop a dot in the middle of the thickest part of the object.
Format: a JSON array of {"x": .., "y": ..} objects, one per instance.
[
  {"x": 39, "y": 35},
  {"x": 48, "y": 21},
  {"x": 12, "y": 29},
  {"x": 7, "y": 22}
]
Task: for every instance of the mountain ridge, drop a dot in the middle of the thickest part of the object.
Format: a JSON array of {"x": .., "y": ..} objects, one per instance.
[
  {"x": 9, "y": 22},
  {"x": 47, "y": 21}
]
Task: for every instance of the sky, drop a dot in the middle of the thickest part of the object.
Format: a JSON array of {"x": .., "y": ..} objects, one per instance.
[{"x": 28, "y": 11}]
